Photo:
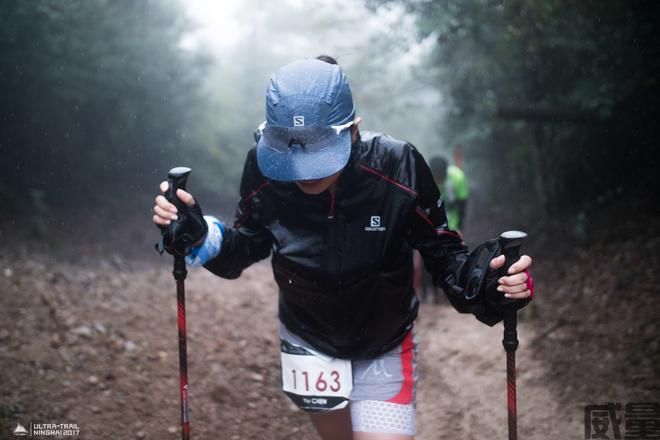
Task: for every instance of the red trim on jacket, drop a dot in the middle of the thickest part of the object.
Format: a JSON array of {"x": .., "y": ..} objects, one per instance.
[
  {"x": 246, "y": 214},
  {"x": 393, "y": 182},
  {"x": 421, "y": 213},
  {"x": 256, "y": 191}
]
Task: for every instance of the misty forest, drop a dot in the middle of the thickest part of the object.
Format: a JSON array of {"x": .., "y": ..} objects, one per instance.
[{"x": 548, "y": 107}]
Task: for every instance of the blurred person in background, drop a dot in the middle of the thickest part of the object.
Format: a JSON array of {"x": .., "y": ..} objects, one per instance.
[{"x": 454, "y": 189}]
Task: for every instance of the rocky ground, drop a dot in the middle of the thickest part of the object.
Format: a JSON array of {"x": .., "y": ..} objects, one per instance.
[{"x": 88, "y": 335}]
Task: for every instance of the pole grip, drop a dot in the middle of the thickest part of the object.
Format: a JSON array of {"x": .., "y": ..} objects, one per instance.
[
  {"x": 176, "y": 178},
  {"x": 510, "y": 242}
]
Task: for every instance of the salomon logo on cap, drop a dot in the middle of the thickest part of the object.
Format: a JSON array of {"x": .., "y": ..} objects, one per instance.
[{"x": 309, "y": 110}]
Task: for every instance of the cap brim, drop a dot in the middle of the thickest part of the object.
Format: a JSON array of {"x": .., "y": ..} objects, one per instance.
[{"x": 297, "y": 164}]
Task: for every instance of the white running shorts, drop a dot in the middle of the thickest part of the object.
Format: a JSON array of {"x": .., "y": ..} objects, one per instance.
[{"x": 383, "y": 395}]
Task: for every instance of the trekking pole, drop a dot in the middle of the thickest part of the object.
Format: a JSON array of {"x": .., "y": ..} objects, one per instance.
[
  {"x": 177, "y": 178},
  {"x": 510, "y": 242}
]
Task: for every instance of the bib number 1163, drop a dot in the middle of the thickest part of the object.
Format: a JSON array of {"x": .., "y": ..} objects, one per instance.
[
  {"x": 316, "y": 383},
  {"x": 320, "y": 384}
]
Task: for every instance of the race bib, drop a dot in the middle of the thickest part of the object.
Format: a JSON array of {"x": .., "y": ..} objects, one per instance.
[{"x": 315, "y": 382}]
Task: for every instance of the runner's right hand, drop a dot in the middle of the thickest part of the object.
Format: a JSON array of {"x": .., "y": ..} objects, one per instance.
[
  {"x": 164, "y": 211},
  {"x": 188, "y": 227}
]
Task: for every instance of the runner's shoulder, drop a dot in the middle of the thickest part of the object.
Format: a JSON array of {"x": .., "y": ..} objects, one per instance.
[
  {"x": 252, "y": 178},
  {"x": 392, "y": 157}
]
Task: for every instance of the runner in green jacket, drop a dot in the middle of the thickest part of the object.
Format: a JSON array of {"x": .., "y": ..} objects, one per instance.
[{"x": 454, "y": 189}]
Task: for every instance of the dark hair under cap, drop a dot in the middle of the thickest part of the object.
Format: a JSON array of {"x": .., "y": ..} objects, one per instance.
[{"x": 327, "y": 58}]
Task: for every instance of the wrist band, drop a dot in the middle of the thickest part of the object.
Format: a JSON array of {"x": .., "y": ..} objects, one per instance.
[{"x": 530, "y": 284}]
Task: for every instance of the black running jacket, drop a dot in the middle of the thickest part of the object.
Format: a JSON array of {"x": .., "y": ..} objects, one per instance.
[{"x": 343, "y": 263}]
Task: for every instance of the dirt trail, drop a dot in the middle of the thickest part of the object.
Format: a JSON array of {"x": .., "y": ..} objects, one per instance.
[
  {"x": 462, "y": 391},
  {"x": 93, "y": 342}
]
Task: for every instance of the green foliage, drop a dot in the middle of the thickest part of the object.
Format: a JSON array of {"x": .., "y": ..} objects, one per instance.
[
  {"x": 95, "y": 96},
  {"x": 548, "y": 96},
  {"x": 378, "y": 50},
  {"x": 8, "y": 410},
  {"x": 550, "y": 100},
  {"x": 40, "y": 214},
  {"x": 101, "y": 98}
]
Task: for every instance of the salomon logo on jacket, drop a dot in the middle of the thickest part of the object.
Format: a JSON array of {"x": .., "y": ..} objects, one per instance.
[{"x": 374, "y": 225}]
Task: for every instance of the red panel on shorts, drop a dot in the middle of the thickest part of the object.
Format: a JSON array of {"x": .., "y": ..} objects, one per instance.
[{"x": 405, "y": 396}]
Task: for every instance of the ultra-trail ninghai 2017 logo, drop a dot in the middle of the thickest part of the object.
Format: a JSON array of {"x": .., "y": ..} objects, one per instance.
[{"x": 47, "y": 430}]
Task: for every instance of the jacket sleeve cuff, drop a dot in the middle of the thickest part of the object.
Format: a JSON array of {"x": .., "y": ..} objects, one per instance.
[{"x": 211, "y": 246}]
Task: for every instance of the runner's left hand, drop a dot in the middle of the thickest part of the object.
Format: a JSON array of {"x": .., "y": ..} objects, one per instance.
[{"x": 515, "y": 284}]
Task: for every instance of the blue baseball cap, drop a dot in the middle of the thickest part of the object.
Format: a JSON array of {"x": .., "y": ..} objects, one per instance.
[{"x": 309, "y": 108}]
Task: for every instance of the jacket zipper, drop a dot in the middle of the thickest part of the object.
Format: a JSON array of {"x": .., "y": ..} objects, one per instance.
[{"x": 331, "y": 211}]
